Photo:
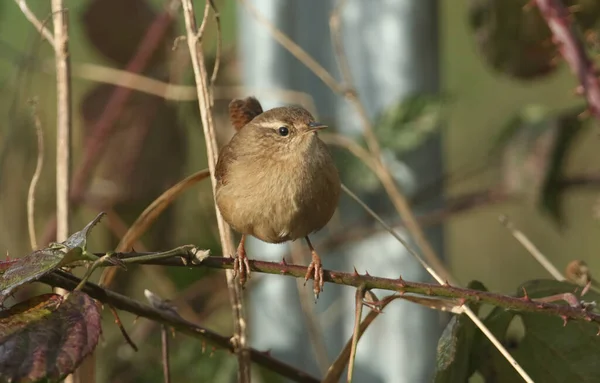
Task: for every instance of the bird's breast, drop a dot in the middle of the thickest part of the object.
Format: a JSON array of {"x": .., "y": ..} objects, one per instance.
[{"x": 278, "y": 201}]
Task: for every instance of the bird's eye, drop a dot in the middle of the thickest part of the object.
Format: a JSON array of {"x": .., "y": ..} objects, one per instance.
[{"x": 283, "y": 131}]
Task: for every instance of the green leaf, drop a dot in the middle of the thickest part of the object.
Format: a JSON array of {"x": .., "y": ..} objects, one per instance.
[
  {"x": 546, "y": 348},
  {"x": 406, "y": 125},
  {"x": 47, "y": 336},
  {"x": 33, "y": 266},
  {"x": 455, "y": 357}
]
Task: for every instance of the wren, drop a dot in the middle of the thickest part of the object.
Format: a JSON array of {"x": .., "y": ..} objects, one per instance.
[{"x": 276, "y": 180}]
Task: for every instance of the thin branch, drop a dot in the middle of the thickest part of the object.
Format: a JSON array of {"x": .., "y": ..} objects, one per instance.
[
  {"x": 63, "y": 123},
  {"x": 358, "y": 303},
  {"x": 60, "y": 19},
  {"x": 215, "y": 72},
  {"x": 122, "y": 329},
  {"x": 335, "y": 25},
  {"x": 564, "y": 33},
  {"x": 45, "y": 32},
  {"x": 337, "y": 368},
  {"x": 166, "y": 317},
  {"x": 307, "y": 305},
  {"x": 532, "y": 249},
  {"x": 175, "y": 92},
  {"x": 164, "y": 338},
  {"x": 194, "y": 40},
  {"x": 35, "y": 178}
]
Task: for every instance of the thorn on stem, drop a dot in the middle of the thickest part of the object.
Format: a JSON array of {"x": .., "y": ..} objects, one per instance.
[
  {"x": 401, "y": 282},
  {"x": 525, "y": 296}
]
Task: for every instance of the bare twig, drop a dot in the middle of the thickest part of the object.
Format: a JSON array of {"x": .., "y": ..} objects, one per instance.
[
  {"x": 60, "y": 18},
  {"x": 215, "y": 72},
  {"x": 532, "y": 249},
  {"x": 169, "y": 91},
  {"x": 164, "y": 338},
  {"x": 122, "y": 329},
  {"x": 307, "y": 305},
  {"x": 204, "y": 104},
  {"x": 35, "y": 178},
  {"x": 63, "y": 123},
  {"x": 335, "y": 25},
  {"x": 337, "y": 368},
  {"x": 358, "y": 303},
  {"x": 45, "y": 32}
]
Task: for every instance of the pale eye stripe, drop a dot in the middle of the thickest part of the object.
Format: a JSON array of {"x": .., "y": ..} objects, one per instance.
[{"x": 274, "y": 124}]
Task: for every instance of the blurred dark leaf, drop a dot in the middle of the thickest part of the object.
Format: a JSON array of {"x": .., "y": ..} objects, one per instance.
[
  {"x": 31, "y": 267},
  {"x": 116, "y": 28},
  {"x": 456, "y": 360},
  {"x": 535, "y": 145},
  {"x": 547, "y": 350},
  {"x": 453, "y": 351},
  {"x": 47, "y": 336},
  {"x": 147, "y": 135},
  {"x": 406, "y": 125},
  {"x": 514, "y": 38}
]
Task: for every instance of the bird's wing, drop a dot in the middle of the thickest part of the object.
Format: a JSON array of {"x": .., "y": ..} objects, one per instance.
[{"x": 226, "y": 157}]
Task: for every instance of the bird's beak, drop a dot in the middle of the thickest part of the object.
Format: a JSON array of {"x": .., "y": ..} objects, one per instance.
[{"x": 315, "y": 126}]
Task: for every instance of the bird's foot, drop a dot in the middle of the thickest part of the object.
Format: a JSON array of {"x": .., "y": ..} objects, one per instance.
[
  {"x": 315, "y": 271},
  {"x": 241, "y": 266}
]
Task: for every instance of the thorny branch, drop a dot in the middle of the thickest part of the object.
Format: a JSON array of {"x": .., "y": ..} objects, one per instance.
[
  {"x": 564, "y": 33},
  {"x": 461, "y": 295}
]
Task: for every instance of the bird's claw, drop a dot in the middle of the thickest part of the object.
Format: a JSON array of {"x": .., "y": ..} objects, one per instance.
[
  {"x": 315, "y": 271},
  {"x": 241, "y": 267}
]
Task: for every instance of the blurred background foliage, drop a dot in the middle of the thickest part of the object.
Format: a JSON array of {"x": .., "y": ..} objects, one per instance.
[{"x": 510, "y": 119}]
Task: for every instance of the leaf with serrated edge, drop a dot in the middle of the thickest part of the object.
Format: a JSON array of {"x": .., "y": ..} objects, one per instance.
[
  {"x": 47, "y": 336},
  {"x": 41, "y": 262}
]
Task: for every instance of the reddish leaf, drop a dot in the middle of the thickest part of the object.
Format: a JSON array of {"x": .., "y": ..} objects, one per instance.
[{"x": 47, "y": 336}]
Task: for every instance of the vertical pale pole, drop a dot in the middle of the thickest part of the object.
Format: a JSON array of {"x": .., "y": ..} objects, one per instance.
[{"x": 393, "y": 49}]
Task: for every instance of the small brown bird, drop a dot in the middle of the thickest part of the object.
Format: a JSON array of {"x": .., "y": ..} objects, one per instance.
[{"x": 276, "y": 180}]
